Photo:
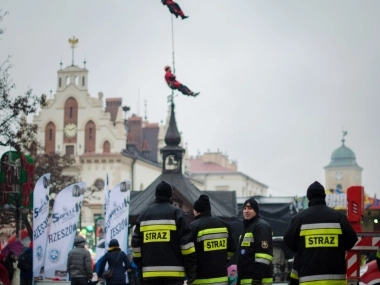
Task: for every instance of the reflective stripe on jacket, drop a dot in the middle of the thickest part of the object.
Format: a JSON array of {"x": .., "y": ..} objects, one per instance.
[
  {"x": 214, "y": 245},
  {"x": 255, "y": 252},
  {"x": 320, "y": 236},
  {"x": 161, "y": 243}
]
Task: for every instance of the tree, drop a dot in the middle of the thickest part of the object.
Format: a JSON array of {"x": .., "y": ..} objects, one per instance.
[{"x": 15, "y": 131}]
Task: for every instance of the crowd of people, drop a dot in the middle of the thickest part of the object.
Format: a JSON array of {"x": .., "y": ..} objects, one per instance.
[{"x": 167, "y": 249}]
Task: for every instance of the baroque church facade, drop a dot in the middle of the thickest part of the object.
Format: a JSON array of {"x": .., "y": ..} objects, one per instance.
[{"x": 95, "y": 135}]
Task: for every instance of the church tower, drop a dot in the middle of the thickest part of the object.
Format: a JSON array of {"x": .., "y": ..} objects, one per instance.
[{"x": 343, "y": 170}]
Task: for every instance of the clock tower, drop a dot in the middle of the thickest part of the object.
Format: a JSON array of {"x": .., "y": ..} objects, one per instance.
[{"x": 343, "y": 170}]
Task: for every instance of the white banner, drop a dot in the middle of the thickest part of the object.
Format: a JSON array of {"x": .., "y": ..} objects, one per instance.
[
  {"x": 64, "y": 220},
  {"x": 40, "y": 224},
  {"x": 117, "y": 217}
]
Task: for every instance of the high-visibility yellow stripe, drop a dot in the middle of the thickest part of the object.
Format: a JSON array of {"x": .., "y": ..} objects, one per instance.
[
  {"x": 212, "y": 231},
  {"x": 157, "y": 222},
  {"x": 248, "y": 235},
  {"x": 264, "y": 281},
  {"x": 264, "y": 255},
  {"x": 211, "y": 280},
  {"x": 320, "y": 232},
  {"x": 188, "y": 251},
  {"x": 136, "y": 254},
  {"x": 158, "y": 228},
  {"x": 164, "y": 274},
  {"x": 294, "y": 274},
  {"x": 230, "y": 254},
  {"x": 326, "y": 282}
]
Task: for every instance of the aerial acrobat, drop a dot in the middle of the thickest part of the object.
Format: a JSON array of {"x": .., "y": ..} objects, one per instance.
[
  {"x": 174, "y": 8},
  {"x": 170, "y": 79}
]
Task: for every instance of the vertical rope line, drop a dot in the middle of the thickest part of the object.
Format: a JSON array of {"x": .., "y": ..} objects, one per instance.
[{"x": 173, "y": 56}]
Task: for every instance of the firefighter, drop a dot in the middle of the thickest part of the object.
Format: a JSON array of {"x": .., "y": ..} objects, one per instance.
[
  {"x": 170, "y": 79},
  {"x": 214, "y": 244},
  {"x": 161, "y": 244},
  {"x": 255, "y": 253},
  {"x": 293, "y": 278},
  {"x": 174, "y": 9},
  {"x": 320, "y": 237}
]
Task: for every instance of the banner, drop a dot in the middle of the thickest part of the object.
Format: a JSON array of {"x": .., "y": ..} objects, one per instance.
[
  {"x": 117, "y": 217},
  {"x": 40, "y": 224},
  {"x": 63, "y": 228}
]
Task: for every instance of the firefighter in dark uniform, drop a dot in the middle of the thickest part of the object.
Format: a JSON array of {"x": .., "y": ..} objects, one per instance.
[
  {"x": 255, "y": 253},
  {"x": 214, "y": 244},
  {"x": 161, "y": 244},
  {"x": 320, "y": 236}
]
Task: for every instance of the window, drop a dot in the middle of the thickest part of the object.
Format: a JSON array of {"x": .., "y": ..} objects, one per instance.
[
  {"x": 69, "y": 149},
  {"x": 50, "y": 138},
  {"x": 90, "y": 137},
  {"x": 83, "y": 80},
  {"x": 106, "y": 147},
  {"x": 67, "y": 80},
  {"x": 60, "y": 82},
  {"x": 76, "y": 80}
]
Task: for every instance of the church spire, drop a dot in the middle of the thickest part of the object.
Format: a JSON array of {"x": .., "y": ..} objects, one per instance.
[{"x": 172, "y": 137}]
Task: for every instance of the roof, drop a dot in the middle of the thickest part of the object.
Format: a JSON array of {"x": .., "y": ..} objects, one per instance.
[
  {"x": 197, "y": 165},
  {"x": 343, "y": 157},
  {"x": 188, "y": 191}
]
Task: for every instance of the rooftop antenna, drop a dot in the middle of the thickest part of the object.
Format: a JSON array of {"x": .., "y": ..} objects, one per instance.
[
  {"x": 138, "y": 101},
  {"x": 73, "y": 43},
  {"x": 84, "y": 62},
  {"x": 145, "y": 110},
  {"x": 344, "y": 133}
]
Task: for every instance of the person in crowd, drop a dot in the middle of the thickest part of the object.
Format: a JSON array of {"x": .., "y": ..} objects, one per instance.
[
  {"x": 214, "y": 244},
  {"x": 320, "y": 236},
  {"x": 174, "y": 8},
  {"x": 9, "y": 264},
  {"x": 117, "y": 261},
  {"x": 79, "y": 262},
  {"x": 232, "y": 278},
  {"x": 162, "y": 247},
  {"x": 170, "y": 79},
  {"x": 280, "y": 264},
  {"x": 25, "y": 264},
  {"x": 4, "y": 277},
  {"x": 255, "y": 252}
]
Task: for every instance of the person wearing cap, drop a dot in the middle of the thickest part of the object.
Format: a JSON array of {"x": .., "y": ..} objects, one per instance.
[
  {"x": 170, "y": 79},
  {"x": 214, "y": 244},
  {"x": 255, "y": 253},
  {"x": 162, "y": 245},
  {"x": 118, "y": 261},
  {"x": 174, "y": 9},
  {"x": 320, "y": 237},
  {"x": 79, "y": 262}
]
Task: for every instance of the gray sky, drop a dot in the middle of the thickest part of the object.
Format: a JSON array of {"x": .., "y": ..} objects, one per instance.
[{"x": 278, "y": 79}]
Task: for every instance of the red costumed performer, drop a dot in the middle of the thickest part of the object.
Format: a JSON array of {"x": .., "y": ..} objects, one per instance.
[
  {"x": 174, "y": 84},
  {"x": 174, "y": 8}
]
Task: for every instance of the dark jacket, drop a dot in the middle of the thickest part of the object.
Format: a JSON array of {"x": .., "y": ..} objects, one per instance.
[
  {"x": 320, "y": 236},
  {"x": 118, "y": 261},
  {"x": 79, "y": 260},
  {"x": 255, "y": 252},
  {"x": 161, "y": 244},
  {"x": 214, "y": 245},
  {"x": 4, "y": 277},
  {"x": 9, "y": 261},
  {"x": 28, "y": 274}
]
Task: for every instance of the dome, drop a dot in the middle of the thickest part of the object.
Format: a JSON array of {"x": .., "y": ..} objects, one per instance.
[{"x": 343, "y": 156}]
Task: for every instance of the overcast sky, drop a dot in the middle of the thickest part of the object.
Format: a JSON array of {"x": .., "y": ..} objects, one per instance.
[{"x": 278, "y": 79}]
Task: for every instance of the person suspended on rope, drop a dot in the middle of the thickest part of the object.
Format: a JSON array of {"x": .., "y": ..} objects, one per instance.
[
  {"x": 174, "y": 9},
  {"x": 170, "y": 79}
]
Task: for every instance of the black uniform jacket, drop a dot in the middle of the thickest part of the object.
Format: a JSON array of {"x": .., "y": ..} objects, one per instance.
[
  {"x": 214, "y": 245},
  {"x": 255, "y": 252},
  {"x": 161, "y": 244},
  {"x": 320, "y": 236}
]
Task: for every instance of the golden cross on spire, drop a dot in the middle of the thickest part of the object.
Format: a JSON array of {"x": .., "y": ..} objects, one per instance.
[{"x": 73, "y": 42}]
